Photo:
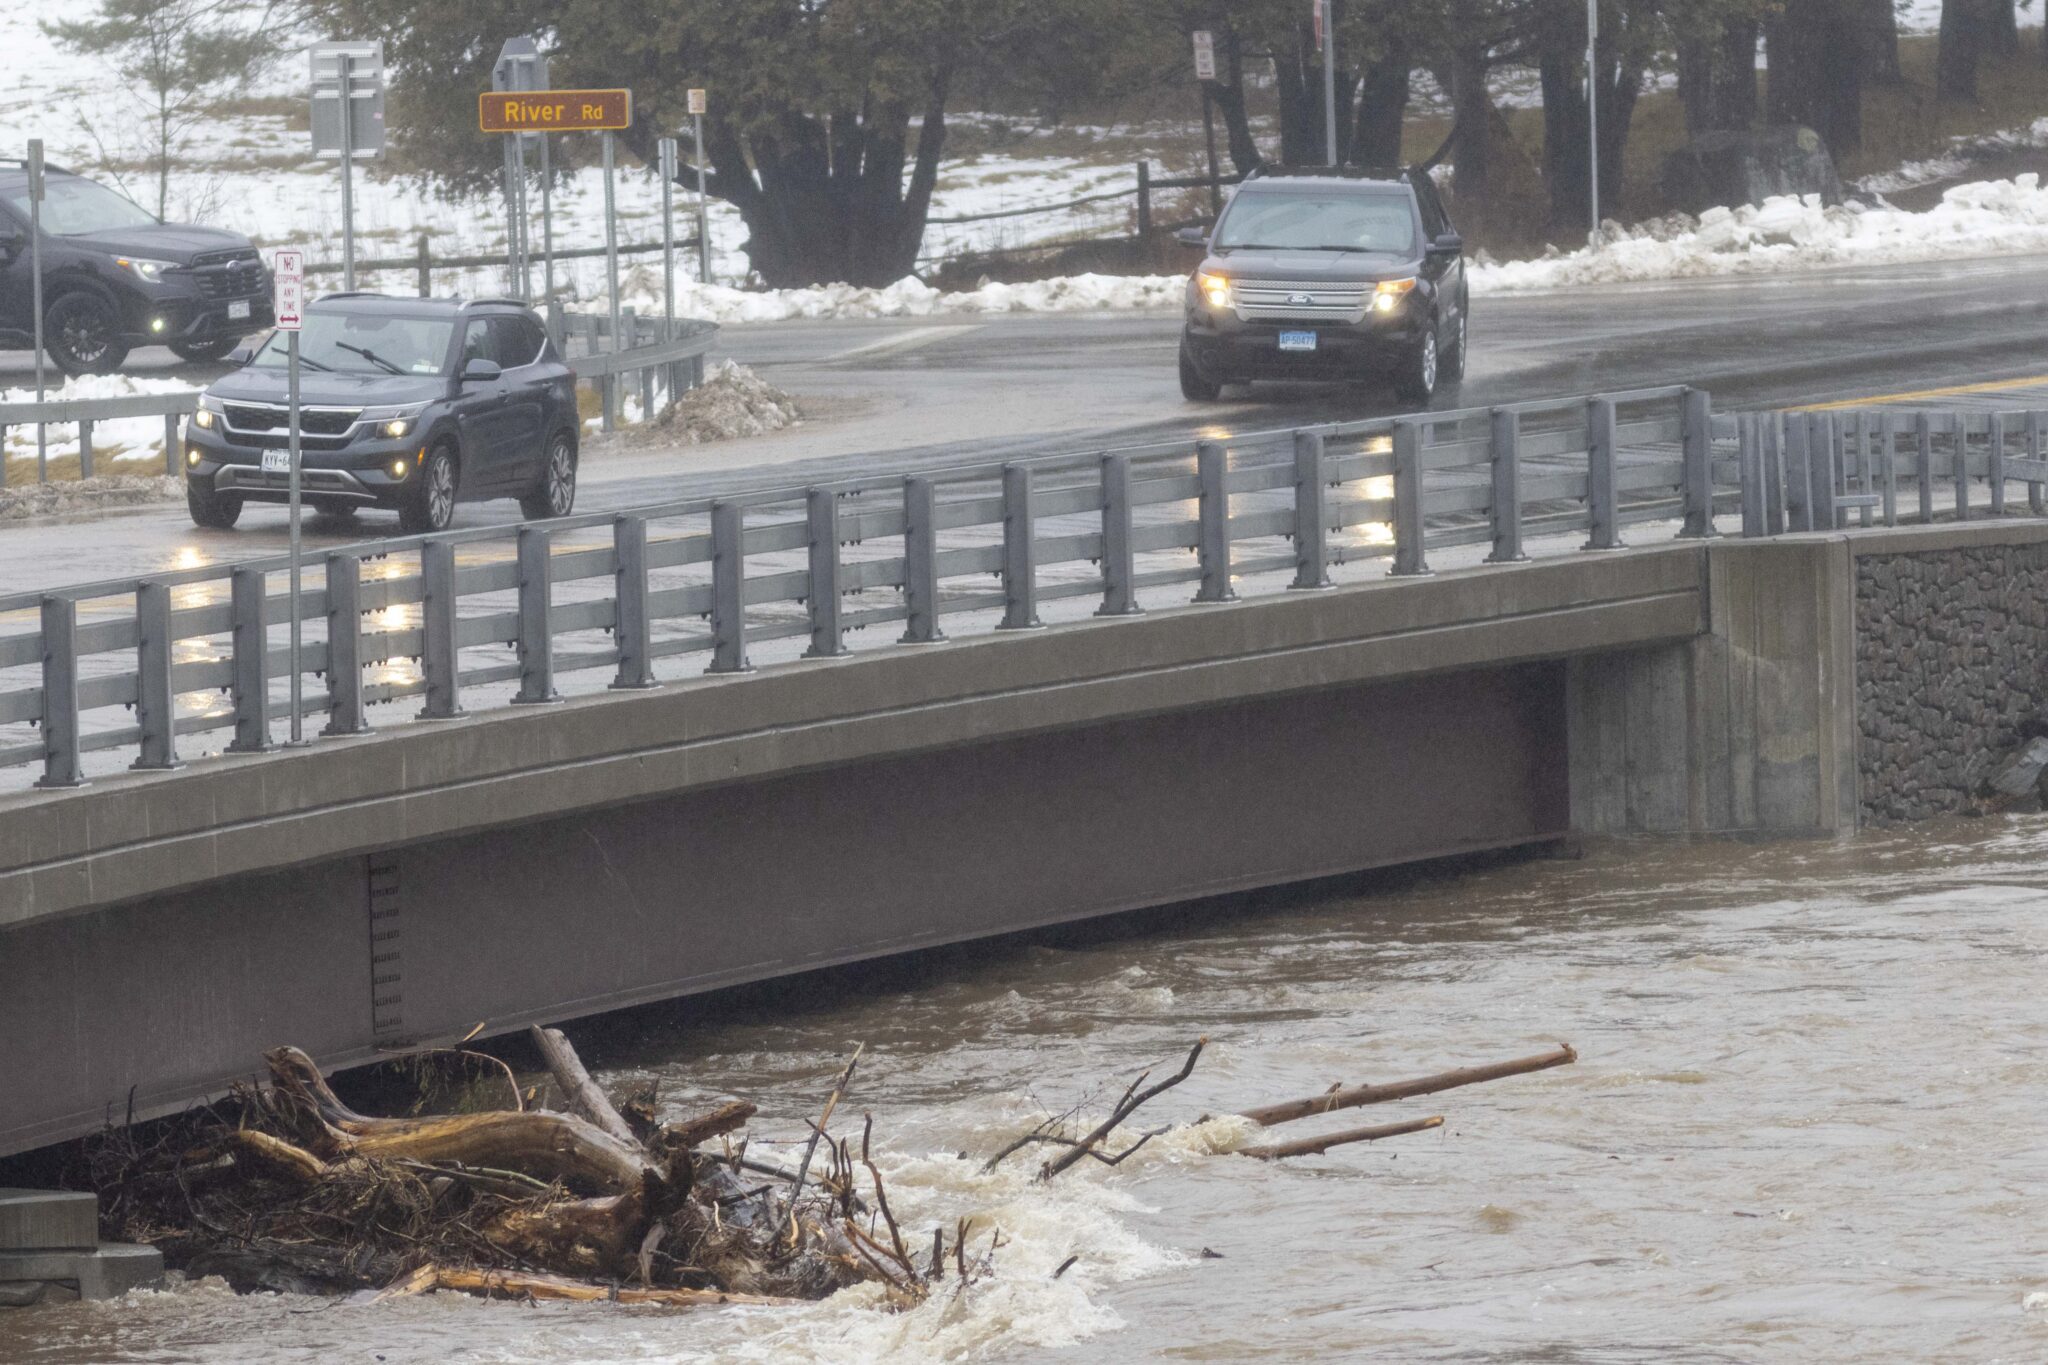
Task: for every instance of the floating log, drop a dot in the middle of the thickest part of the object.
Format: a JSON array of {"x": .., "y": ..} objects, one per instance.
[
  {"x": 511, "y": 1284},
  {"x": 1329, "y": 1103},
  {"x": 1315, "y": 1145}
]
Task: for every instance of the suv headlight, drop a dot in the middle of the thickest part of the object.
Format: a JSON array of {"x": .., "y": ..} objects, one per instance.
[
  {"x": 208, "y": 413},
  {"x": 147, "y": 270},
  {"x": 394, "y": 422},
  {"x": 1214, "y": 288},
  {"x": 1387, "y": 294}
]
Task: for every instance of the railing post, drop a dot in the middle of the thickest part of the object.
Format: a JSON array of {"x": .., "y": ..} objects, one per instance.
[
  {"x": 1506, "y": 455},
  {"x": 156, "y": 705},
  {"x": 608, "y": 400},
  {"x": 85, "y": 447},
  {"x": 1212, "y": 470},
  {"x": 1822, "y": 466},
  {"x": 920, "y": 562},
  {"x": 1995, "y": 470},
  {"x": 728, "y": 589},
  {"x": 1311, "y": 512},
  {"x": 1960, "y": 467},
  {"x": 631, "y": 628},
  {"x": 1777, "y": 513},
  {"x": 1888, "y": 475},
  {"x": 60, "y": 694},
  {"x": 1696, "y": 434},
  {"x": 440, "y": 663},
  {"x": 424, "y": 264},
  {"x": 1020, "y": 552},
  {"x": 1749, "y": 462},
  {"x": 536, "y": 618},
  {"x": 1144, "y": 200},
  {"x": 1119, "y": 555},
  {"x": 346, "y": 714},
  {"x": 1601, "y": 501},
  {"x": 1410, "y": 547},
  {"x": 1923, "y": 454},
  {"x": 250, "y": 595},
  {"x": 171, "y": 451},
  {"x": 1864, "y": 516},
  {"x": 828, "y": 637},
  {"x": 1799, "y": 514},
  {"x": 2037, "y": 497}
]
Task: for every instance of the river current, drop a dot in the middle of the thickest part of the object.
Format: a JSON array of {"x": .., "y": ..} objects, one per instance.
[{"x": 1808, "y": 1124}]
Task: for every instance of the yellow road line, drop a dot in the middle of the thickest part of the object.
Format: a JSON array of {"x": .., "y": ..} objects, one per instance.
[{"x": 1955, "y": 391}]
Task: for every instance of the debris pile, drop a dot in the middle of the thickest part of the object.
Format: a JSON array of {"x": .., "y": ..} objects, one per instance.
[{"x": 732, "y": 401}]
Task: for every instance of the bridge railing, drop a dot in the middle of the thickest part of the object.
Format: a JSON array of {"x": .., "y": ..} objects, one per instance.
[{"x": 495, "y": 615}]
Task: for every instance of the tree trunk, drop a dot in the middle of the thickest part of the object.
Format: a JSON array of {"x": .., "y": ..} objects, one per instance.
[
  {"x": 1382, "y": 108},
  {"x": 1962, "y": 44},
  {"x": 1229, "y": 96},
  {"x": 1717, "y": 80},
  {"x": 2002, "y": 27},
  {"x": 1878, "y": 25},
  {"x": 1298, "y": 77},
  {"x": 1617, "y": 84},
  {"x": 1809, "y": 85}
]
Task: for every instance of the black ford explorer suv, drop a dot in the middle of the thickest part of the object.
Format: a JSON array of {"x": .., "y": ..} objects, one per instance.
[
  {"x": 116, "y": 277},
  {"x": 409, "y": 404},
  {"x": 1327, "y": 274}
]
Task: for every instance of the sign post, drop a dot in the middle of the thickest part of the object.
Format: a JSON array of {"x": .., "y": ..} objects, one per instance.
[
  {"x": 1205, "y": 72},
  {"x": 289, "y": 269},
  {"x": 520, "y": 68},
  {"x": 698, "y": 105},
  {"x": 1326, "y": 39},
  {"x": 569, "y": 111},
  {"x": 666, "y": 150},
  {"x": 348, "y": 122},
  {"x": 1593, "y": 114},
  {"x": 35, "y": 270}
]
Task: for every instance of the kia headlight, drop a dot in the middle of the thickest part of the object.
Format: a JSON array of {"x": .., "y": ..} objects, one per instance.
[{"x": 393, "y": 423}]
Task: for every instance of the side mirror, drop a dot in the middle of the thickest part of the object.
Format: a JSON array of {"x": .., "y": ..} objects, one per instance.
[
  {"x": 1447, "y": 244},
  {"x": 481, "y": 369},
  {"x": 241, "y": 356},
  {"x": 13, "y": 241},
  {"x": 1192, "y": 236}
]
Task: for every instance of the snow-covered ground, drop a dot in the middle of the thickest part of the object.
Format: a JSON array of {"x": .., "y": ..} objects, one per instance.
[
  {"x": 131, "y": 441},
  {"x": 1963, "y": 153}
]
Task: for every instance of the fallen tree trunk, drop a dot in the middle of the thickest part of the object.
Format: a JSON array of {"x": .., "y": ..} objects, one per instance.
[
  {"x": 512, "y": 1284},
  {"x": 567, "y": 1069},
  {"x": 1316, "y": 1145},
  {"x": 1272, "y": 1114}
]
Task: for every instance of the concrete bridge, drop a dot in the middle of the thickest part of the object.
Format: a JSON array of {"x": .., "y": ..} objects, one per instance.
[{"x": 381, "y": 890}]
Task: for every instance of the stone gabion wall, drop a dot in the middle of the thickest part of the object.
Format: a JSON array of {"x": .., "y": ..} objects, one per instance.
[{"x": 1951, "y": 663}]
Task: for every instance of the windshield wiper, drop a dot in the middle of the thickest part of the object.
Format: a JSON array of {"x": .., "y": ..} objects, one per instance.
[{"x": 369, "y": 355}]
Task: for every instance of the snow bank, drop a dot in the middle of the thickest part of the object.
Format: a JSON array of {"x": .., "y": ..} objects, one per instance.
[
  {"x": 127, "y": 438},
  {"x": 1992, "y": 218},
  {"x": 1963, "y": 152},
  {"x": 732, "y": 401},
  {"x": 912, "y": 298}
]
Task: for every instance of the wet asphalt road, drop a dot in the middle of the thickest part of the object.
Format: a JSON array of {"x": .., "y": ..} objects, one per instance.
[{"x": 953, "y": 390}]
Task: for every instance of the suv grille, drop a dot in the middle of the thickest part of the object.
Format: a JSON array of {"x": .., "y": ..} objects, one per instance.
[
  {"x": 230, "y": 274},
  {"x": 261, "y": 417},
  {"x": 1285, "y": 300}
]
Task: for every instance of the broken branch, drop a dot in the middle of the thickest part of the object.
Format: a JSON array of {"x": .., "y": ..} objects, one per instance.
[
  {"x": 1328, "y": 1103},
  {"x": 1313, "y": 1146}
]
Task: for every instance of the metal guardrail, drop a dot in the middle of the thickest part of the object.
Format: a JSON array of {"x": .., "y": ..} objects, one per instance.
[
  {"x": 666, "y": 364},
  {"x": 673, "y": 581}
]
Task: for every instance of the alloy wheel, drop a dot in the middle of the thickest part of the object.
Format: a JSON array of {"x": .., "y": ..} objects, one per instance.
[
  {"x": 441, "y": 491},
  {"x": 561, "y": 477}
]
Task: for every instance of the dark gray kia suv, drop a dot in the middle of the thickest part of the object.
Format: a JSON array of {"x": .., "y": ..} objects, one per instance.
[
  {"x": 1335, "y": 274},
  {"x": 407, "y": 404}
]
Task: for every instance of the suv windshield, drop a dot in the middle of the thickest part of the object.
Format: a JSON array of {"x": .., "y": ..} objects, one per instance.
[
  {"x": 73, "y": 205},
  {"x": 1307, "y": 220},
  {"x": 364, "y": 343}
]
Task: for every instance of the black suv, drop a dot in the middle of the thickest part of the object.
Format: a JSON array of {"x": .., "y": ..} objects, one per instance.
[
  {"x": 411, "y": 404},
  {"x": 1327, "y": 274},
  {"x": 116, "y": 277}
]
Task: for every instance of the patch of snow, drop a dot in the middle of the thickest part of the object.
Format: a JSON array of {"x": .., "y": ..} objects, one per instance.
[
  {"x": 912, "y": 298},
  {"x": 1962, "y": 153},
  {"x": 121, "y": 439},
  {"x": 1991, "y": 218}
]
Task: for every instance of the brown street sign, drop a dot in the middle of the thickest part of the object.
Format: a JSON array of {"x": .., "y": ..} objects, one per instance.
[{"x": 553, "y": 111}]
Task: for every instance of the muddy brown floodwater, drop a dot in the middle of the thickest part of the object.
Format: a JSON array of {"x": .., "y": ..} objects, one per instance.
[{"x": 1808, "y": 1124}]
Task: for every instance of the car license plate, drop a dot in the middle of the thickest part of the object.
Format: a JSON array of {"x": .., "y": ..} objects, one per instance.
[
  {"x": 1297, "y": 341},
  {"x": 277, "y": 462},
  {"x": 239, "y": 308}
]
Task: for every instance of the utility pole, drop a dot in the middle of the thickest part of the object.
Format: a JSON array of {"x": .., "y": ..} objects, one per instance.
[
  {"x": 1326, "y": 34},
  {"x": 1593, "y": 115}
]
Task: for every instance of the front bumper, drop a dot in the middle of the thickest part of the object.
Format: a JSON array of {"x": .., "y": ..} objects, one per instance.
[
  {"x": 360, "y": 473},
  {"x": 1226, "y": 348},
  {"x": 158, "y": 314}
]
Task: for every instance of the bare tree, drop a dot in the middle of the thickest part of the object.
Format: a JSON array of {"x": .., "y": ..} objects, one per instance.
[{"x": 179, "y": 57}]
